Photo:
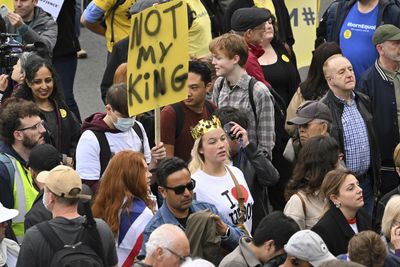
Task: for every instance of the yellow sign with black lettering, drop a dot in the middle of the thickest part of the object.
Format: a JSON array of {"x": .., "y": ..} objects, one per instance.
[
  {"x": 158, "y": 57},
  {"x": 304, "y": 20}
]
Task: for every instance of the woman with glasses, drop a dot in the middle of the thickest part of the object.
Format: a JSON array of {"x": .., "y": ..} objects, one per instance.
[
  {"x": 391, "y": 225},
  {"x": 216, "y": 182},
  {"x": 344, "y": 214},
  {"x": 41, "y": 87},
  {"x": 123, "y": 202},
  {"x": 305, "y": 201}
]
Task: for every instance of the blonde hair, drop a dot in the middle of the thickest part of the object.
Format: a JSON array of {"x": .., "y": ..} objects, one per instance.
[
  {"x": 396, "y": 156},
  {"x": 198, "y": 160},
  {"x": 392, "y": 211}
]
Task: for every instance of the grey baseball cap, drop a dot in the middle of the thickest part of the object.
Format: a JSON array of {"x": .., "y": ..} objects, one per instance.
[
  {"x": 308, "y": 246},
  {"x": 309, "y": 111}
]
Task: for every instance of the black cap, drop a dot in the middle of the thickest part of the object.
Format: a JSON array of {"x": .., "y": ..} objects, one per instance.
[
  {"x": 44, "y": 157},
  {"x": 309, "y": 111},
  {"x": 247, "y": 18}
]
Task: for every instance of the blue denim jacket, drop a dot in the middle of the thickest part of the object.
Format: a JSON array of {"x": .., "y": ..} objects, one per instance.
[{"x": 164, "y": 215}]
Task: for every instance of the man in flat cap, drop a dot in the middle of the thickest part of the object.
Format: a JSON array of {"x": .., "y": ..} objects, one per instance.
[
  {"x": 62, "y": 191},
  {"x": 381, "y": 82},
  {"x": 250, "y": 23}
]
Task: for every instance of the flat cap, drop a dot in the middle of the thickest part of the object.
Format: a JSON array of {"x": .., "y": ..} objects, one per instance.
[
  {"x": 309, "y": 111},
  {"x": 247, "y": 18},
  {"x": 386, "y": 32}
]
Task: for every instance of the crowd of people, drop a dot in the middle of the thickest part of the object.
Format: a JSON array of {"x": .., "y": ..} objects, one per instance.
[{"x": 254, "y": 168}]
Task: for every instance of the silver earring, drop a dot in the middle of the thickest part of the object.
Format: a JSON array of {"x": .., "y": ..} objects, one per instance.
[{"x": 337, "y": 205}]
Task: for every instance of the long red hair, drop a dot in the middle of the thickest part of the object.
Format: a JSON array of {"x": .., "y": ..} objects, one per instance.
[{"x": 124, "y": 177}]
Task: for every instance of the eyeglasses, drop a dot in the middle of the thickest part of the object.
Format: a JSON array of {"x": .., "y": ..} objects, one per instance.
[
  {"x": 181, "y": 188},
  {"x": 306, "y": 125},
  {"x": 182, "y": 259},
  {"x": 260, "y": 27},
  {"x": 33, "y": 127}
]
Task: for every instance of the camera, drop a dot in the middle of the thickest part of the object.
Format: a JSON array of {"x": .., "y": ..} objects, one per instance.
[
  {"x": 10, "y": 50},
  {"x": 228, "y": 131}
]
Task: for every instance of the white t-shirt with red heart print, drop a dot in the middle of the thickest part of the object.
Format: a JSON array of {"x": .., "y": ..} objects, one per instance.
[{"x": 221, "y": 192}]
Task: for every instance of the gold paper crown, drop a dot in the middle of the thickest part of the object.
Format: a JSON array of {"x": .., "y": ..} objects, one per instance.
[{"x": 205, "y": 126}]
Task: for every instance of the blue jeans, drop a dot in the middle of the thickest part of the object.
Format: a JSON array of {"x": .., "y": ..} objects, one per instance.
[
  {"x": 368, "y": 194},
  {"x": 65, "y": 67}
]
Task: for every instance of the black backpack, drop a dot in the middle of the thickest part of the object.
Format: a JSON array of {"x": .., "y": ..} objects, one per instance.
[
  {"x": 180, "y": 116},
  {"x": 105, "y": 152},
  {"x": 86, "y": 251},
  {"x": 281, "y": 135}
]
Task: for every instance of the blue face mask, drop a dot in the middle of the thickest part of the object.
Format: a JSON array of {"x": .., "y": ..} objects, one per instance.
[{"x": 124, "y": 124}]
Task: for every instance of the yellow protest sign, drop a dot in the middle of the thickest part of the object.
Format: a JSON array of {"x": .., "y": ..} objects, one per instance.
[
  {"x": 304, "y": 20},
  {"x": 8, "y": 3},
  {"x": 158, "y": 57}
]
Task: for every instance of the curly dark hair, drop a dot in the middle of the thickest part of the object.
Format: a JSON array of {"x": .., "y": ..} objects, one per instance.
[
  {"x": 318, "y": 156},
  {"x": 11, "y": 111}
]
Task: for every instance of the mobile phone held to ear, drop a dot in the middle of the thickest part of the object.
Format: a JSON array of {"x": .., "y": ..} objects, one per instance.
[
  {"x": 228, "y": 131},
  {"x": 3, "y": 11}
]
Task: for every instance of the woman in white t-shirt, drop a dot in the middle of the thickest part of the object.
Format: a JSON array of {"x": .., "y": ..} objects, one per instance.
[{"x": 215, "y": 180}]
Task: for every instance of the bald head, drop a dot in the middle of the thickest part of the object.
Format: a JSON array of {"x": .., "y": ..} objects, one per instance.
[
  {"x": 339, "y": 75},
  {"x": 166, "y": 246}
]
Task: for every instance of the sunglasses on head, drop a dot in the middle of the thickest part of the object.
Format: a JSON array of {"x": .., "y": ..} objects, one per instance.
[{"x": 181, "y": 188}]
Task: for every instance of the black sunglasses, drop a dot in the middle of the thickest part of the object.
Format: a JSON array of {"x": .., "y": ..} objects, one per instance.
[{"x": 181, "y": 188}]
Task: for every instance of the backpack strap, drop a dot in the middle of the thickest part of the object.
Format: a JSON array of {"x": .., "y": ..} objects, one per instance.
[
  {"x": 50, "y": 236},
  {"x": 179, "y": 117},
  {"x": 105, "y": 152},
  {"x": 138, "y": 131},
  {"x": 209, "y": 107},
  {"x": 303, "y": 204},
  {"x": 112, "y": 13},
  {"x": 252, "y": 82},
  {"x": 10, "y": 167},
  {"x": 93, "y": 235}
]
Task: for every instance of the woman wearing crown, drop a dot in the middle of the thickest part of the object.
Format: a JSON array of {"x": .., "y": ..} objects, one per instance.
[{"x": 217, "y": 182}]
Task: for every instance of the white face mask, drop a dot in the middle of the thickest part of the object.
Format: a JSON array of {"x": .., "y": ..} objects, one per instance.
[{"x": 124, "y": 124}]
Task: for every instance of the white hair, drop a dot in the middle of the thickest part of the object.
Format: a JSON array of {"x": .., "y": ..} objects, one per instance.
[
  {"x": 163, "y": 236},
  {"x": 197, "y": 263}
]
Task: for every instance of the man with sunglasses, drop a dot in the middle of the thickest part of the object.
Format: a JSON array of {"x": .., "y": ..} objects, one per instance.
[
  {"x": 21, "y": 129},
  {"x": 203, "y": 224}
]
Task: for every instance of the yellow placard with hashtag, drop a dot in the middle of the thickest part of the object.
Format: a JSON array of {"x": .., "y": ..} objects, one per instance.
[
  {"x": 158, "y": 57},
  {"x": 304, "y": 20},
  {"x": 9, "y": 4}
]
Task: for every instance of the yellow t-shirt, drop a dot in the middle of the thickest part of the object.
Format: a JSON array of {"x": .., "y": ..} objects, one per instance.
[
  {"x": 265, "y": 4},
  {"x": 122, "y": 23},
  {"x": 200, "y": 31}
]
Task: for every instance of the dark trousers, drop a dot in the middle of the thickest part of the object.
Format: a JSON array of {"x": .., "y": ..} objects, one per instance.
[{"x": 66, "y": 69}]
